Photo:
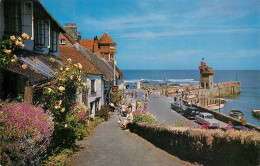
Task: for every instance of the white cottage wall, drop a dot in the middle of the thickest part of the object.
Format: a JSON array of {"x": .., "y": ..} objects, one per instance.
[{"x": 98, "y": 94}]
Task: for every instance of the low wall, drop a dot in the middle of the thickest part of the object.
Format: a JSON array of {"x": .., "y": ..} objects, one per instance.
[{"x": 207, "y": 147}]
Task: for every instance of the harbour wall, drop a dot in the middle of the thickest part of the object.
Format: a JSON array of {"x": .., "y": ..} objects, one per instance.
[{"x": 225, "y": 89}]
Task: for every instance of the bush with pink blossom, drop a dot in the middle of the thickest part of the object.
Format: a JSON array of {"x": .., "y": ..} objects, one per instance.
[{"x": 26, "y": 132}]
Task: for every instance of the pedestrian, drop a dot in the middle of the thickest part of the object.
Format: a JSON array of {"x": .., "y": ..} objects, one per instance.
[
  {"x": 139, "y": 105},
  {"x": 145, "y": 105},
  {"x": 243, "y": 121},
  {"x": 129, "y": 118},
  {"x": 133, "y": 106},
  {"x": 146, "y": 96},
  {"x": 135, "y": 94},
  {"x": 132, "y": 94}
]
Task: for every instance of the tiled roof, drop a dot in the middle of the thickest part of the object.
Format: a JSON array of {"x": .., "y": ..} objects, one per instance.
[
  {"x": 106, "y": 49},
  {"x": 101, "y": 63},
  {"x": 87, "y": 43},
  {"x": 69, "y": 38},
  {"x": 106, "y": 39},
  {"x": 67, "y": 52}
]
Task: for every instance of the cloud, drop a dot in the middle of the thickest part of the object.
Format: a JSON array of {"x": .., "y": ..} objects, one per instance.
[{"x": 150, "y": 34}]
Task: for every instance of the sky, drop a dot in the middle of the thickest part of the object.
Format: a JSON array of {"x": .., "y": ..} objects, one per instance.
[{"x": 170, "y": 34}]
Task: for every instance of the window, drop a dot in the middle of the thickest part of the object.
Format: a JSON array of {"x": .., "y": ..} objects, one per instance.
[
  {"x": 62, "y": 41},
  {"x": 93, "y": 86},
  {"x": 111, "y": 57},
  {"x": 112, "y": 47},
  {"x": 12, "y": 16},
  {"x": 42, "y": 33},
  {"x": 53, "y": 41}
]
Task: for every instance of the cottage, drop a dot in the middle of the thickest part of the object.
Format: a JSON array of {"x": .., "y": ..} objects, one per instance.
[
  {"x": 102, "y": 54},
  {"x": 30, "y": 17},
  {"x": 93, "y": 96}
]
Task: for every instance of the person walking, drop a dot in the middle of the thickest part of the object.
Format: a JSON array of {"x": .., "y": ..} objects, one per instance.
[
  {"x": 135, "y": 94},
  {"x": 139, "y": 105},
  {"x": 243, "y": 121},
  {"x": 133, "y": 106},
  {"x": 145, "y": 105}
]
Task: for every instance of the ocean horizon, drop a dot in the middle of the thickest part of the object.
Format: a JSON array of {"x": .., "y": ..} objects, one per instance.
[{"x": 245, "y": 101}]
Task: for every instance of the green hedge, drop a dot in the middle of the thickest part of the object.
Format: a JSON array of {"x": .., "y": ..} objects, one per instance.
[{"x": 207, "y": 147}]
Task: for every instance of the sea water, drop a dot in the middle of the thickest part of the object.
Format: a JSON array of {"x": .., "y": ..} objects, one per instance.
[{"x": 248, "y": 98}]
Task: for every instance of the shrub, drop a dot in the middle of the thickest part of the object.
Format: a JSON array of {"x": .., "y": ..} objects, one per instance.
[
  {"x": 143, "y": 116},
  {"x": 77, "y": 120},
  {"x": 26, "y": 133},
  {"x": 80, "y": 112},
  {"x": 103, "y": 112}
]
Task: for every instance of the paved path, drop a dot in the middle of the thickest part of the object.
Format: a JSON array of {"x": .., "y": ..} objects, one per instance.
[
  {"x": 110, "y": 145},
  {"x": 162, "y": 109}
]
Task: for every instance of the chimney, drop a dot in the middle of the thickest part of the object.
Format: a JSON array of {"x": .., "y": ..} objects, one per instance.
[
  {"x": 71, "y": 29},
  {"x": 79, "y": 37},
  {"x": 95, "y": 37}
]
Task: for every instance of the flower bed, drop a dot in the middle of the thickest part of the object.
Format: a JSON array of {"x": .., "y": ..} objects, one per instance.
[
  {"x": 143, "y": 116},
  {"x": 26, "y": 133}
]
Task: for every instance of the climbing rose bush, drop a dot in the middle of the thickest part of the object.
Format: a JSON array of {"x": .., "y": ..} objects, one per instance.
[
  {"x": 9, "y": 50},
  {"x": 26, "y": 132}
]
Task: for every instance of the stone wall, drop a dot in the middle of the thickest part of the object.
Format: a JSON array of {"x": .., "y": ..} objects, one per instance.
[{"x": 226, "y": 89}]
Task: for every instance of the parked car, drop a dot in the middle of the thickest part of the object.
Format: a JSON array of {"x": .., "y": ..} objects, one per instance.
[
  {"x": 178, "y": 106},
  {"x": 207, "y": 119},
  {"x": 190, "y": 112}
]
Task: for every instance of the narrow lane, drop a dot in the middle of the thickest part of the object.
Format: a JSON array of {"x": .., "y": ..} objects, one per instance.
[{"x": 110, "y": 145}]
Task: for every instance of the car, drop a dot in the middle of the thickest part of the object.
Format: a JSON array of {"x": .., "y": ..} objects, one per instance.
[
  {"x": 178, "y": 106},
  {"x": 190, "y": 112},
  {"x": 208, "y": 119}
]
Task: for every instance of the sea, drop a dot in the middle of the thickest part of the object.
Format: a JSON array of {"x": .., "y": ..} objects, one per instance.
[{"x": 248, "y": 98}]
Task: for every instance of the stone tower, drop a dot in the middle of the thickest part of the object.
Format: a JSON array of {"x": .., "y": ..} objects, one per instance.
[{"x": 206, "y": 76}]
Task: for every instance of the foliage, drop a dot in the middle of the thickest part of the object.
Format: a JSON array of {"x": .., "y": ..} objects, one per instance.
[
  {"x": 180, "y": 123},
  {"x": 59, "y": 158},
  {"x": 115, "y": 97},
  {"x": 60, "y": 96},
  {"x": 77, "y": 120},
  {"x": 26, "y": 133},
  {"x": 103, "y": 112},
  {"x": 143, "y": 116},
  {"x": 9, "y": 50}
]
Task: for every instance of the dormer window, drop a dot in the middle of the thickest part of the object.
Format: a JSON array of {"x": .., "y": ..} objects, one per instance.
[
  {"x": 112, "y": 47},
  {"x": 62, "y": 41}
]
